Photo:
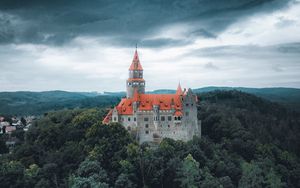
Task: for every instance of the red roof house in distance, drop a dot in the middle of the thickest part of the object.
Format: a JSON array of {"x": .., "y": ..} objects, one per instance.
[{"x": 155, "y": 116}]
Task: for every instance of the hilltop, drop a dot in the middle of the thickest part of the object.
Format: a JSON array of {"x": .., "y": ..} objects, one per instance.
[{"x": 246, "y": 140}]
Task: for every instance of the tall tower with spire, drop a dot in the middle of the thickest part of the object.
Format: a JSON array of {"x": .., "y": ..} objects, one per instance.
[{"x": 135, "y": 80}]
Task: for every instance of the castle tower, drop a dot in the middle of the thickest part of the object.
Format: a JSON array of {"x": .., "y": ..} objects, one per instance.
[{"x": 135, "y": 80}]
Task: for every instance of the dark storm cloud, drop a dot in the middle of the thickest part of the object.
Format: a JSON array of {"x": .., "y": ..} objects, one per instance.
[
  {"x": 281, "y": 50},
  {"x": 132, "y": 21}
]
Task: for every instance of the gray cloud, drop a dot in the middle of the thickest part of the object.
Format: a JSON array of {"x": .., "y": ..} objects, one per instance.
[
  {"x": 283, "y": 22},
  {"x": 210, "y": 65},
  {"x": 38, "y": 50},
  {"x": 57, "y": 22},
  {"x": 250, "y": 51},
  {"x": 161, "y": 42}
]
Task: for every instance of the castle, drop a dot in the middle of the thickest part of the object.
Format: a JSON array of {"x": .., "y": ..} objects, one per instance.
[{"x": 153, "y": 117}]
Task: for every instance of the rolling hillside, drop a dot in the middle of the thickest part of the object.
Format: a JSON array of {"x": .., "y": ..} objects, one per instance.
[
  {"x": 35, "y": 103},
  {"x": 25, "y": 103}
]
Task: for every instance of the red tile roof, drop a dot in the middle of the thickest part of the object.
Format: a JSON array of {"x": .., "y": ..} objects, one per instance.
[
  {"x": 125, "y": 107},
  {"x": 146, "y": 102},
  {"x": 108, "y": 117}
]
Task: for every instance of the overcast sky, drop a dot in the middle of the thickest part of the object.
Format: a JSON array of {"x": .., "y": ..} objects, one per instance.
[{"x": 89, "y": 45}]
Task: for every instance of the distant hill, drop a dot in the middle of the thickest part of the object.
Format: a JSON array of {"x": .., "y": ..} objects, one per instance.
[
  {"x": 287, "y": 96},
  {"x": 121, "y": 93},
  {"x": 35, "y": 103},
  {"x": 25, "y": 102}
]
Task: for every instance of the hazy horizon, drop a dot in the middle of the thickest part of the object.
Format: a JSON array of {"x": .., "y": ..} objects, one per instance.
[
  {"x": 88, "y": 46},
  {"x": 108, "y": 91}
]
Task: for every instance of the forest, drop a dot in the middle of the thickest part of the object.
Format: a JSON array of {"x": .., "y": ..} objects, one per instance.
[{"x": 246, "y": 142}]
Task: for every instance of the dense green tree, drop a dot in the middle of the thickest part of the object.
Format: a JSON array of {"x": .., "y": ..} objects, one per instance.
[
  {"x": 3, "y": 147},
  {"x": 208, "y": 180},
  {"x": 273, "y": 180},
  {"x": 19, "y": 134},
  {"x": 31, "y": 176},
  {"x": 11, "y": 174},
  {"x": 49, "y": 173},
  {"x": 252, "y": 176},
  {"x": 188, "y": 174},
  {"x": 24, "y": 122},
  {"x": 89, "y": 174},
  {"x": 127, "y": 176}
]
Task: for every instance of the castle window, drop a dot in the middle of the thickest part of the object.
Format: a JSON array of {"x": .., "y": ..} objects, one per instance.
[
  {"x": 179, "y": 118},
  {"x": 147, "y": 132},
  {"x": 129, "y": 119},
  {"x": 134, "y": 119},
  {"x": 186, "y": 104},
  {"x": 169, "y": 118},
  {"x": 128, "y": 128},
  {"x": 146, "y": 125},
  {"x": 146, "y": 119},
  {"x": 115, "y": 119},
  {"x": 162, "y": 118},
  {"x": 169, "y": 126},
  {"x": 192, "y": 104}
]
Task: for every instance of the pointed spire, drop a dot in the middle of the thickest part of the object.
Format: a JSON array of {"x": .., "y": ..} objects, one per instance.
[
  {"x": 136, "y": 56},
  {"x": 136, "y": 65},
  {"x": 179, "y": 90}
]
